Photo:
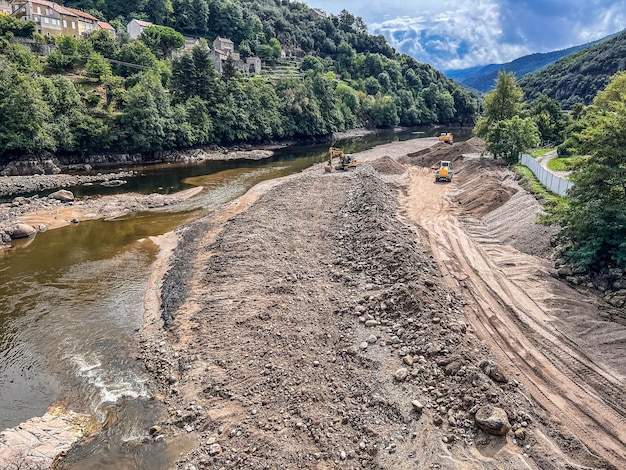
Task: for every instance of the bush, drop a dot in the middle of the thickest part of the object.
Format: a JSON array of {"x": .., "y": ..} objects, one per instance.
[{"x": 567, "y": 148}]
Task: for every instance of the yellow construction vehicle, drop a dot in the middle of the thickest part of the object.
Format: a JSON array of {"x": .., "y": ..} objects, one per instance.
[
  {"x": 446, "y": 137},
  {"x": 444, "y": 172},
  {"x": 346, "y": 160}
]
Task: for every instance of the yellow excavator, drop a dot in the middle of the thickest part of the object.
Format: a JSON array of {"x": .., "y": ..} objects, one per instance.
[
  {"x": 446, "y": 137},
  {"x": 346, "y": 160}
]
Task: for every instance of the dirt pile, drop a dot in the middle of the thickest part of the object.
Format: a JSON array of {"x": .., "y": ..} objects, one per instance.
[
  {"x": 432, "y": 155},
  {"x": 388, "y": 166}
]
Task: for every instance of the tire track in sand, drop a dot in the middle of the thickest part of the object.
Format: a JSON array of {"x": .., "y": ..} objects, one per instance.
[{"x": 587, "y": 397}]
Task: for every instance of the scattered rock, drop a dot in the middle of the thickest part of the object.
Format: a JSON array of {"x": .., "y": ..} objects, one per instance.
[
  {"x": 62, "y": 195},
  {"x": 492, "y": 420},
  {"x": 21, "y": 230}
]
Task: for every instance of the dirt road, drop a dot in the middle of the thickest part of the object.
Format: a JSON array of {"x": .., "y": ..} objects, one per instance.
[
  {"x": 373, "y": 318},
  {"x": 532, "y": 321}
]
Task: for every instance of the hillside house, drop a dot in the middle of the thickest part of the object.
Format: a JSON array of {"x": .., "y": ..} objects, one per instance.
[
  {"x": 5, "y": 7},
  {"x": 136, "y": 27},
  {"x": 222, "y": 50},
  {"x": 253, "y": 65},
  {"x": 53, "y": 19},
  {"x": 87, "y": 23},
  {"x": 106, "y": 26}
]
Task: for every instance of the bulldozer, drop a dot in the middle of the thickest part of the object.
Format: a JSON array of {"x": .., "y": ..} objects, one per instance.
[
  {"x": 446, "y": 137},
  {"x": 444, "y": 172},
  {"x": 346, "y": 160}
]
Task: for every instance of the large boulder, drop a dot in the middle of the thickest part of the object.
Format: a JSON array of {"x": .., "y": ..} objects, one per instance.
[
  {"x": 22, "y": 230},
  {"x": 62, "y": 195},
  {"x": 492, "y": 420}
]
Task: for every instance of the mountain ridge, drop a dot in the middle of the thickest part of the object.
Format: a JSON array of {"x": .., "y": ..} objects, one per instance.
[{"x": 483, "y": 78}]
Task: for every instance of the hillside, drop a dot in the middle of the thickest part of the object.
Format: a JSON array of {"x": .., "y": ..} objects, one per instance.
[
  {"x": 483, "y": 78},
  {"x": 578, "y": 77},
  {"x": 326, "y": 75}
]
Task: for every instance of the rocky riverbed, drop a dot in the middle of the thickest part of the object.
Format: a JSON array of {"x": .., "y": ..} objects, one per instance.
[{"x": 319, "y": 328}]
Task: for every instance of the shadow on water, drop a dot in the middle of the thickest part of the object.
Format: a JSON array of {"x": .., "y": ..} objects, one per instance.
[{"x": 71, "y": 303}]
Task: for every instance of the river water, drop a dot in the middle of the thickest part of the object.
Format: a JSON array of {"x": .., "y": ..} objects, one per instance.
[{"x": 71, "y": 303}]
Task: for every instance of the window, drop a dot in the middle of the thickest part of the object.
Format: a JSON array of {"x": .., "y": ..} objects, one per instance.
[
  {"x": 39, "y": 10},
  {"x": 65, "y": 23},
  {"x": 73, "y": 25},
  {"x": 46, "y": 20},
  {"x": 48, "y": 11}
]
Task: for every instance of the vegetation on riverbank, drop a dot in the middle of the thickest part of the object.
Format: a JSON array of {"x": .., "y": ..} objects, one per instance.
[{"x": 99, "y": 94}]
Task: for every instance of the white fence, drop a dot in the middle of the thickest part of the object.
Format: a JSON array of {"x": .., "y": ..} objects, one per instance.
[{"x": 554, "y": 183}]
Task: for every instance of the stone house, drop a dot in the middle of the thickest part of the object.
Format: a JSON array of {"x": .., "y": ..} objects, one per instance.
[
  {"x": 224, "y": 48},
  {"x": 5, "y": 7},
  {"x": 136, "y": 27},
  {"x": 253, "y": 65}
]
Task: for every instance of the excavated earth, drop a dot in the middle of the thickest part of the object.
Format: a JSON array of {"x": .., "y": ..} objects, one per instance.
[{"x": 377, "y": 319}]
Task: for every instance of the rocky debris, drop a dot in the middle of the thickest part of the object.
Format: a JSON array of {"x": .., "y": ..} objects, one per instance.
[
  {"x": 40, "y": 442},
  {"x": 610, "y": 281},
  {"x": 62, "y": 195},
  {"x": 492, "y": 420},
  {"x": 13, "y": 185},
  {"x": 343, "y": 341},
  {"x": 43, "y": 166},
  {"x": 113, "y": 183},
  {"x": 494, "y": 371},
  {"x": 21, "y": 230},
  {"x": 56, "y": 165}
]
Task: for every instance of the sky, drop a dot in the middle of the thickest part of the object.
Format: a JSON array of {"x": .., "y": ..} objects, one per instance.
[{"x": 458, "y": 34}]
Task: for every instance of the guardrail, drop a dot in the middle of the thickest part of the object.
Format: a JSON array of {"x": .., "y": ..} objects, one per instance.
[{"x": 554, "y": 183}]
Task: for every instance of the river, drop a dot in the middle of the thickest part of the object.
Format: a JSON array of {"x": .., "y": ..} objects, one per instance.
[{"x": 71, "y": 303}]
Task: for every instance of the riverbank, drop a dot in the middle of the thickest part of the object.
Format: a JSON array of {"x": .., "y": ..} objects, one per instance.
[{"x": 336, "y": 323}]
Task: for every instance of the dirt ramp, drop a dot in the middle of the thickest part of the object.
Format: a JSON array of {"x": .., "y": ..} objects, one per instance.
[{"x": 442, "y": 151}]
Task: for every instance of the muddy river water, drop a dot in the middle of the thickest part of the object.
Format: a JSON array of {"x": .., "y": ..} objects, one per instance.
[{"x": 71, "y": 302}]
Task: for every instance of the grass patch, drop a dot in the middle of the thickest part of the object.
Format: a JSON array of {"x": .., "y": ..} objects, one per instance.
[
  {"x": 553, "y": 204},
  {"x": 566, "y": 163},
  {"x": 540, "y": 152}
]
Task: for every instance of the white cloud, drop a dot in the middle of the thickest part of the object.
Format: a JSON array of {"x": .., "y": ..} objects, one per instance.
[{"x": 453, "y": 34}]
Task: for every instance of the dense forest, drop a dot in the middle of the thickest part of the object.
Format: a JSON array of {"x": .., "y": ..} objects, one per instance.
[
  {"x": 578, "y": 77},
  {"x": 100, "y": 94}
]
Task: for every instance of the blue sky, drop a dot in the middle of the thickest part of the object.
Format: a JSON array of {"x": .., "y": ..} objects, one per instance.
[{"x": 454, "y": 34}]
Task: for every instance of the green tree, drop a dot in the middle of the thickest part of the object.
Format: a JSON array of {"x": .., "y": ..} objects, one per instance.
[
  {"x": 25, "y": 61},
  {"x": 24, "y": 115},
  {"x": 594, "y": 223},
  {"x": 503, "y": 102},
  {"x": 134, "y": 53},
  {"x": 97, "y": 67},
  {"x": 162, "y": 40},
  {"x": 505, "y": 132},
  {"x": 103, "y": 43},
  {"x": 147, "y": 116},
  {"x": 550, "y": 119},
  {"x": 11, "y": 26},
  {"x": 508, "y": 138}
]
